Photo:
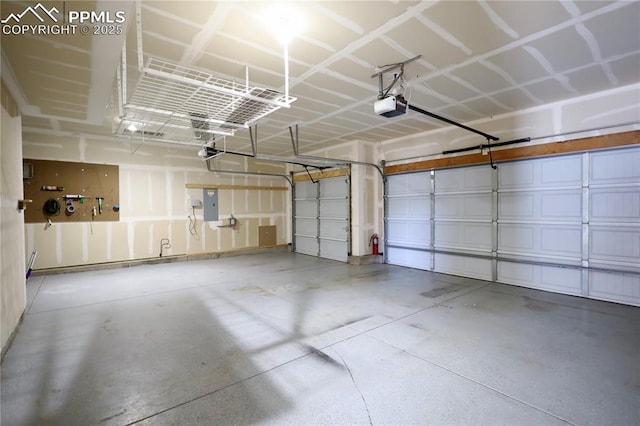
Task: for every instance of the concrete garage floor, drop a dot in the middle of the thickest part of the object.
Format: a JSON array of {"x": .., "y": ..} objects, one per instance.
[{"x": 290, "y": 339}]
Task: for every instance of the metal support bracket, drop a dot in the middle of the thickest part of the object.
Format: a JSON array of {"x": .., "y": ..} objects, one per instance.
[{"x": 382, "y": 91}]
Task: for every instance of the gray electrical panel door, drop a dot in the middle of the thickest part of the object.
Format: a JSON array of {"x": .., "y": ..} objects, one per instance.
[{"x": 210, "y": 204}]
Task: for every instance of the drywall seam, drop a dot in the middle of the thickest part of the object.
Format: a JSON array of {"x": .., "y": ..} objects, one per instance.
[
  {"x": 150, "y": 191},
  {"x": 497, "y": 20},
  {"x": 59, "y": 243},
  {"x": 271, "y": 201},
  {"x": 82, "y": 147},
  {"x": 109, "y": 239},
  {"x": 611, "y": 112},
  {"x": 131, "y": 226},
  {"x": 346, "y": 23},
  {"x": 169, "y": 181},
  {"x": 557, "y": 118},
  {"x": 203, "y": 236},
  {"x": 129, "y": 193},
  {"x": 246, "y": 200},
  {"x": 151, "y": 238},
  {"x": 85, "y": 242}
]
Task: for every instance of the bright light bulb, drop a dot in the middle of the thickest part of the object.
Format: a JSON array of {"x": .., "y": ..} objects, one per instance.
[
  {"x": 132, "y": 128},
  {"x": 286, "y": 24}
]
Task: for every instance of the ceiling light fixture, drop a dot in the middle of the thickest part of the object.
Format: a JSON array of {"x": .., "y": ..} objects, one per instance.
[
  {"x": 132, "y": 128},
  {"x": 286, "y": 24}
]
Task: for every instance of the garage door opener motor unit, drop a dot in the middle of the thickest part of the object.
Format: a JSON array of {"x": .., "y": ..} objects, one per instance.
[{"x": 390, "y": 106}]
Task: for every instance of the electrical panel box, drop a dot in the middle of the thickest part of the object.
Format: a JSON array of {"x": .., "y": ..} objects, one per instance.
[{"x": 210, "y": 203}]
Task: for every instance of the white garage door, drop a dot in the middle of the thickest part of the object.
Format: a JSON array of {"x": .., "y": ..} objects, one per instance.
[
  {"x": 408, "y": 220},
  {"x": 463, "y": 221},
  {"x": 321, "y": 218},
  {"x": 305, "y": 219},
  {"x": 614, "y": 225},
  {"x": 540, "y": 223},
  {"x": 568, "y": 224}
]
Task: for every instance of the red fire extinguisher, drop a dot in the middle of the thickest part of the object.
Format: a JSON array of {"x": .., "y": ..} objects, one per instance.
[{"x": 373, "y": 241}]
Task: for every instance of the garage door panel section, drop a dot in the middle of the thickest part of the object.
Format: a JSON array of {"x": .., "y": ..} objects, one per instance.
[
  {"x": 550, "y": 278},
  {"x": 408, "y": 220},
  {"x": 545, "y": 173},
  {"x": 563, "y": 205},
  {"x": 307, "y": 245},
  {"x": 409, "y": 207},
  {"x": 306, "y": 190},
  {"x": 410, "y": 184},
  {"x": 322, "y": 218},
  {"x": 408, "y": 216},
  {"x": 332, "y": 228},
  {"x": 619, "y": 205},
  {"x": 540, "y": 220},
  {"x": 408, "y": 233},
  {"x": 334, "y": 218},
  {"x": 614, "y": 225},
  {"x": 306, "y": 218},
  {"x": 464, "y": 236},
  {"x": 306, "y": 208},
  {"x": 619, "y": 287},
  {"x": 615, "y": 167},
  {"x": 463, "y": 215},
  {"x": 464, "y": 266},
  {"x": 473, "y": 179},
  {"x": 334, "y": 208},
  {"x": 615, "y": 245},
  {"x": 334, "y": 187},
  {"x": 410, "y": 258},
  {"x": 563, "y": 243},
  {"x": 335, "y": 250},
  {"x": 306, "y": 227},
  {"x": 463, "y": 206}
]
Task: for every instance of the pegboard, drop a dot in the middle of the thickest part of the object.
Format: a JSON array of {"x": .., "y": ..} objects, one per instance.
[{"x": 83, "y": 185}]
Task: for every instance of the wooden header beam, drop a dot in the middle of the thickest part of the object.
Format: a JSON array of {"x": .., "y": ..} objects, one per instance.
[
  {"x": 322, "y": 174},
  {"x": 553, "y": 148}
]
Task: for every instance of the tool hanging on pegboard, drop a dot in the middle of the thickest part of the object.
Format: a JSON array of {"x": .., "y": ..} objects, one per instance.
[
  {"x": 70, "y": 209},
  {"x": 51, "y": 207}
]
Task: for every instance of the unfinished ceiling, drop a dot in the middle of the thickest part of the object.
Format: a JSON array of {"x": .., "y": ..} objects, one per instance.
[{"x": 479, "y": 59}]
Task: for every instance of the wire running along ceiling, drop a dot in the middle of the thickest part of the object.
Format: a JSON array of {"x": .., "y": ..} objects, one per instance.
[{"x": 178, "y": 104}]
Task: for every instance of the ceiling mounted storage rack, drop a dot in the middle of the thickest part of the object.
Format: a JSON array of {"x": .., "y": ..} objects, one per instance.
[{"x": 178, "y": 104}]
